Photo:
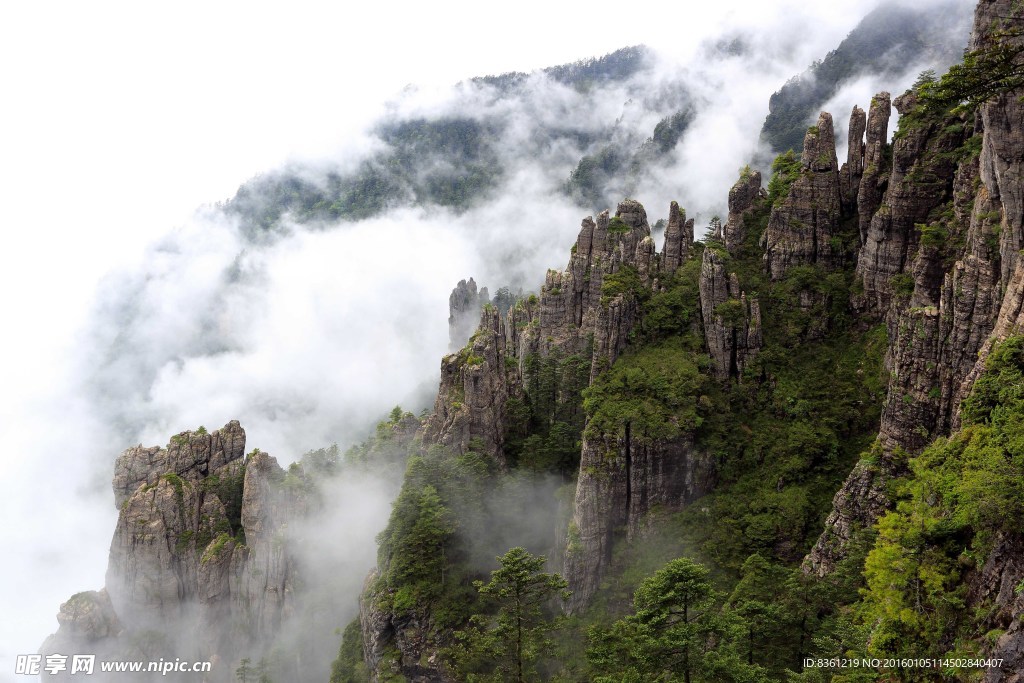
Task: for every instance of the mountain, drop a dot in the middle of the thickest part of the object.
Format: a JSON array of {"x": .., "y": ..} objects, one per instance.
[
  {"x": 854, "y": 330},
  {"x": 793, "y": 437},
  {"x": 888, "y": 40}
]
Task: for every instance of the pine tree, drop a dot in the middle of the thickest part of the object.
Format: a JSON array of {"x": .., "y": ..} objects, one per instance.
[{"x": 507, "y": 645}]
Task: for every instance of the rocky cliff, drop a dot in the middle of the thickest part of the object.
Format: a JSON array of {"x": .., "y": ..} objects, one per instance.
[
  {"x": 200, "y": 565},
  {"x": 938, "y": 263},
  {"x": 804, "y": 224}
]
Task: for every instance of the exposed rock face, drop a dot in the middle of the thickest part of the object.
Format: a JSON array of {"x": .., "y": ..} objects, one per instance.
[
  {"x": 875, "y": 174},
  {"x": 190, "y": 455},
  {"x": 586, "y": 311},
  {"x": 1001, "y": 166},
  {"x": 384, "y": 633},
  {"x": 742, "y": 198},
  {"x": 198, "y": 557},
  {"x": 851, "y": 172},
  {"x": 86, "y": 617},
  {"x": 678, "y": 239},
  {"x": 921, "y": 181},
  {"x": 622, "y": 478},
  {"x": 937, "y": 324},
  {"x": 732, "y": 325},
  {"x": 856, "y": 506},
  {"x": 572, "y": 316},
  {"x": 943, "y": 319},
  {"x": 476, "y": 383},
  {"x": 464, "y": 312},
  {"x": 800, "y": 228},
  {"x": 996, "y": 585}
]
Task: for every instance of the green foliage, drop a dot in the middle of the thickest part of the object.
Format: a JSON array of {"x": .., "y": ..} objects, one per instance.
[
  {"x": 506, "y": 642},
  {"x": 785, "y": 170},
  {"x": 650, "y": 392},
  {"x": 414, "y": 544},
  {"x": 676, "y": 633},
  {"x": 587, "y": 181},
  {"x": 994, "y": 69},
  {"x": 617, "y": 226},
  {"x": 999, "y": 392},
  {"x": 902, "y": 284},
  {"x": 961, "y": 494},
  {"x": 783, "y": 448},
  {"x": 213, "y": 550},
  {"x": 625, "y": 281},
  {"x": 229, "y": 488},
  {"x": 387, "y": 449},
  {"x": 933, "y": 235},
  {"x": 245, "y": 673},
  {"x": 448, "y": 161},
  {"x": 614, "y": 66},
  {"x": 545, "y": 427},
  {"x": 350, "y": 667},
  {"x": 671, "y": 311}
]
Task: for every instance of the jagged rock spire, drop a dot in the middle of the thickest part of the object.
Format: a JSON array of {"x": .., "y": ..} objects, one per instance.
[
  {"x": 464, "y": 312},
  {"x": 678, "y": 239},
  {"x": 801, "y": 227},
  {"x": 875, "y": 174},
  {"x": 732, "y": 324},
  {"x": 742, "y": 197},
  {"x": 851, "y": 172}
]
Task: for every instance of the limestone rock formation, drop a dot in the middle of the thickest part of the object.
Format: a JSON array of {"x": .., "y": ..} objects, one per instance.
[
  {"x": 732, "y": 324},
  {"x": 198, "y": 563},
  {"x": 464, "y": 312},
  {"x": 947, "y": 231},
  {"x": 476, "y": 383},
  {"x": 801, "y": 228},
  {"x": 622, "y": 478},
  {"x": 190, "y": 455},
  {"x": 742, "y": 197},
  {"x": 851, "y": 172},
  {"x": 920, "y": 182},
  {"x": 875, "y": 172},
  {"x": 678, "y": 239}
]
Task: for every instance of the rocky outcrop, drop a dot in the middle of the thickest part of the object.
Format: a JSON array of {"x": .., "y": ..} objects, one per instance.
[
  {"x": 851, "y": 172},
  {"x": 575, "y": 315},
  {"x": 801, "y": 227},
  {"x": 86, "y": 618},
  {"x": 875, "y": 174},
  {"x": 995, "y": 586},
  {"x": 732, "y": 324},
  {"x": 199, "y": 560},
  {"x": 940, "y": 263},
  {"x": 397, "y": 647},
  {"x": 921, "y": 181},
  {"x": 476, "y": 383},
  {"x": 622, "y": 478},
  {"x": 464, "y": 312},
  {"x": 938, "y": 319},
  {"x": 742, "y": 198},
  {"x": 190, "y": 455},
  {"x": 678, "y": 240},
  {"x": 587, "y": 312}
]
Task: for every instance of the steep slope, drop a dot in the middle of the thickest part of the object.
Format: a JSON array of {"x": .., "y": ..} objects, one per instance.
[
  {"x": 884, "y": 42},
  {"x": 747, "y": 369},
  {"x": 937, "y": 263}
]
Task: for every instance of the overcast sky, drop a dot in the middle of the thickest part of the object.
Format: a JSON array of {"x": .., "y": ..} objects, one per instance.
[{"x": 118, "y": 119}]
